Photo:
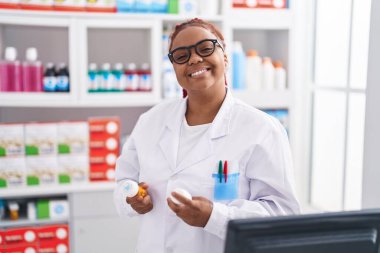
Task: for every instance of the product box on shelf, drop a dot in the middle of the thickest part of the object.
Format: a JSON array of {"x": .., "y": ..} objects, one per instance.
[
  {"x": 2, "y": 241},
  {"x": 73, "y": 138},
  {"x": 101, "y": 5},
  {"x": 276, "y": 4},
  {"x": 70, "y": 5},
  {"x": 15, "y": 237},
  {"x": 41, "y": 170},
  {"x": 9, "y": 4},
  {"x": 40, "y": 139},
  {"x": 12, "y": 140},
  {"x": 104, "y": 147},
  {"x": 37, "y": 4},
  {"x": 73, "y": 168},
  {"x": 52, "y": 233},
  {"x": 22, "y": 249},
  {"x": 52, "y": 209},
  {"x": 54, "y": 247},
  {"x": 12, "y": 172}
]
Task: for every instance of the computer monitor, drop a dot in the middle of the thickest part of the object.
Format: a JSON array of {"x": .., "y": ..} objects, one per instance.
[{"x": 342, "y": 232}]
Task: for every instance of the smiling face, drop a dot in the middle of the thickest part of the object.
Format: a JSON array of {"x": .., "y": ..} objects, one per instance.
[{"x": 199, "y": 74}]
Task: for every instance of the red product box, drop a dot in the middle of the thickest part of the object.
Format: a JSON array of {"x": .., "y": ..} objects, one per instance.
[
  {"x": 20, "y": 236},
  {"x": 54, "y": 246},
  {"x": 2, "y": 240},
  {"x": 102, "y": 172},
  {"x": 275, "y": 4},
  {"x": 100, "y": 127},
  {"x": 52, "y": 233},
  {"x": 32, "y": 248}
]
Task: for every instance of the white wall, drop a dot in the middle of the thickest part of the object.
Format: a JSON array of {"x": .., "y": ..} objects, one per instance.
[{"x": 371, "y": 166}]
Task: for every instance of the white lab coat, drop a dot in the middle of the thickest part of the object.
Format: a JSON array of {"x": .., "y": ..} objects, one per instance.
[{"x": 254, "y": 143}]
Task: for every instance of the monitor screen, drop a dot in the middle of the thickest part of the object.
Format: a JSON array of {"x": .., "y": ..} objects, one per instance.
[{"x": 342, "y": 232}]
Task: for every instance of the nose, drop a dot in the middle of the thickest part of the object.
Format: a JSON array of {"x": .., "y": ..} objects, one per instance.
[{"x": 194, "y": 57}]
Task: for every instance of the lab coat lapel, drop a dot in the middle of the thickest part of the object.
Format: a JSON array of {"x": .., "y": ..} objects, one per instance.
[
  {"x": 169, "y": 138},
  {"x": 219, "y": 128}
]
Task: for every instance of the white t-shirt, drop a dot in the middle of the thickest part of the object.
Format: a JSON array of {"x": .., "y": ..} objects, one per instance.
[{"x": 189, "y": 137}]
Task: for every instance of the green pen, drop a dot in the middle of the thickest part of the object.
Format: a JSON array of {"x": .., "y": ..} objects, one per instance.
[{"x": 220, "y": 171}]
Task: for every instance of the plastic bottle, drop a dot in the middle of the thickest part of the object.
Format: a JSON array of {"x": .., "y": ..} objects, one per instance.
[
  {"x": 50, "y": 80},
  {"x": 173, "y": 6},
  {"x": 63, "y": 78},
  {"x": 118, "y": 77},
  {"x": 2, "y": 209},
  {"x": 169, "y": 80},
  {"x": 279, "y": 76},
  {"x": 105, "y": 77},
  {"x": 239, "y": 66},
  {"x": 10, "y": 71},
  {"x": 160, "y": 6},
  {"x": 125, "y": 5},
  {"x": 145, "y": 78},
  {"x": 32, "y": 72},
  {"x": 143, "y": 5},
  {"x": 131, "y": 189},
  {"x": 253, "y": 71},
  {"x": 268, "y": 74},
  {"x": 188, "y": 7},
  {"x": 182, "y": 192},
  {"x": 93, "y": 77},
  {"x": 132, "y": 77},
  {"x": 13, "y": 210}
]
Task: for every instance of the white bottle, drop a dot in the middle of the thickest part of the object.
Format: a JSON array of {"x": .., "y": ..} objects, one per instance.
[
  {"x": 188, "y": 7},
  {"x": 268, "y": 74},
  {"x": 182, "y": 192},
  {"x": 93, "y": 77},
  {"x": 106, "y": 79},
  {"x": 279, "y": 76},
  {"x": 253, "y": 71}
]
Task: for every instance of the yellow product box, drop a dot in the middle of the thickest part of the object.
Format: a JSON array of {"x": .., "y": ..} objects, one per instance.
[
  {"x": 73, "y": 169},
  {"x": 12, "y": 140},
  {"x": 41, "y": 170},
  {"x": 70, "y": 5},
  {"x": 40, "y": 139},
  {"x": 12, "y": 172},
  {"x": 73, "y": 138}
]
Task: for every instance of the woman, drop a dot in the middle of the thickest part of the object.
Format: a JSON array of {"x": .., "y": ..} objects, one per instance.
[{"x": 233, "y": 159}]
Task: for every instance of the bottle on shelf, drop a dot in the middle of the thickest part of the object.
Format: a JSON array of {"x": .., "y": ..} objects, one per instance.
[
  {"x": 63, "y": 78},
  {"x": 145, "y": 78},
  {"x": 93, "y": 77},
  {"x": 188, "y": 7},
  {"x": 131, "y": 189},
  {"x": 105, "y": 77},
  {"x": 268, "y": 74},
  {"x": 279, "y": 76},
  {"x": 50, "y": 80},
  {"x": 173, "y": 6},
  {"x": 118, "y": 77},
  {"x": 159, "y": 6},
  {"x": 239, "y": 66},
  {"x": 132, "y": 76},
  {"x": 253, "y": 71},
  {"x": 32, "y": 72},
  {"x": 125, "y": 5},
  {"x": 10, "y": 71}
]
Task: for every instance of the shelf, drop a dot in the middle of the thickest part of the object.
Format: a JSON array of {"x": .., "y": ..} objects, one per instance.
[
  {"x": 56, "y": 190},
  {"x": 145, "y": 16},
  {"x": 26, "y": 223},
  {"x": 265, "y": 99},
  {"x": 39, "y": 99}
]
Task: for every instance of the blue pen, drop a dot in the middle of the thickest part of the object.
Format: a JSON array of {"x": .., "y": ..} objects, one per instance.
[{"x": 220, "y": 171}]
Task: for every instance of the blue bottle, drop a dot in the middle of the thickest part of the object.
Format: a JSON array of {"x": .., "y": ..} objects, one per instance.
[
  {"x": 239, "y": 66},
  {"x": 143, "y": 5},
  {"x": 160, "y": 6},
  {"x": 125, "y": 5}
]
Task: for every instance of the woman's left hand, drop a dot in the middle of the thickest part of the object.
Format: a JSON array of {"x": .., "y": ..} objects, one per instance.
[{"x": 195, "y": 212}]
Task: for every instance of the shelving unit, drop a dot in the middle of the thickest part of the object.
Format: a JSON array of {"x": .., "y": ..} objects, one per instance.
[{"x": 132, "y": 38}]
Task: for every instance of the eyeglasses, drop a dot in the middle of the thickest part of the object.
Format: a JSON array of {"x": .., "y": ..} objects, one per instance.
[{"x": 203, "y": 48}]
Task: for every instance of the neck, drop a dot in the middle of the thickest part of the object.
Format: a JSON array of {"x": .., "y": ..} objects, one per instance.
[{"x": 202, "y": 107}]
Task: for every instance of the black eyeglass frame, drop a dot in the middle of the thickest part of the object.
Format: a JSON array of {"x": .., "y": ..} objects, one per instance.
[{"x": 195, "y": 46}]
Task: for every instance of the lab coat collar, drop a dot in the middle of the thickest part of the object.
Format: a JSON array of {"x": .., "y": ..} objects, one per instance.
[{"x": 169, "y": 140}]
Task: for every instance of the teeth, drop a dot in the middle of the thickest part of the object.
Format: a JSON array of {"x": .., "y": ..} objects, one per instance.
[{"x": 198, "y": 72}]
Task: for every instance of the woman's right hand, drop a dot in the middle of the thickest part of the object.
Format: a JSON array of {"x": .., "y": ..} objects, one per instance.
[{"x": 141, "y": 204}]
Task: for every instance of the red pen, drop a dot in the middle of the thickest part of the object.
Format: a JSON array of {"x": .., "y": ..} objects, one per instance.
[{"x": 225, "y": 171}]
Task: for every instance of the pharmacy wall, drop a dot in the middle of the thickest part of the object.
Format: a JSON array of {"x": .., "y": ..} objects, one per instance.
[{"x": 72, "y": 70}]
